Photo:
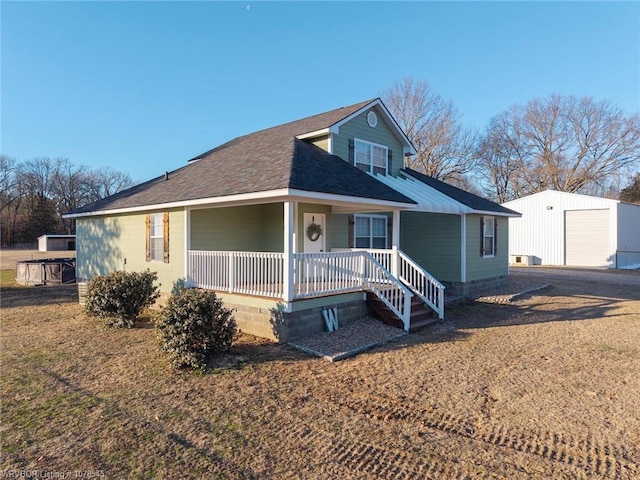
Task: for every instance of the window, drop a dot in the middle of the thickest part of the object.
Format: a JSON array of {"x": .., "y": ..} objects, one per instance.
[
  {"x": 370, "y": 157},
  {"x": 158, "y": 237},
  {"x": 488, "y": 225},
  {"x": 370, "y": 231}
]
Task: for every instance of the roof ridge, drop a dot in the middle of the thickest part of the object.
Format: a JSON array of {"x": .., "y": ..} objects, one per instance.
[{"x": 348, "y": 109}]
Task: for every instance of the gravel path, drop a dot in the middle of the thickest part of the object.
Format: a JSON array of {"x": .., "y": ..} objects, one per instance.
[{"x": 349, "y": 340}]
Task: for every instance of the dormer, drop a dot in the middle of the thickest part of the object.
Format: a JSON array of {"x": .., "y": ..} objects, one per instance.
[{"x": 368, "y": 138}]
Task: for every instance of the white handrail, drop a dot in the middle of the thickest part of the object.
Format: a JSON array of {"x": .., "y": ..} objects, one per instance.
[
  {"x": 425, "y": 285},
  {"x": 337, "y": 272},
  {"x": 390, "y": 290}
]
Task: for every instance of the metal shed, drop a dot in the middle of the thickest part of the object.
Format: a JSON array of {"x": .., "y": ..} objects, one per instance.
[
  {"x": 559, "y": 228},
  {"x": 47, "y": 243}
]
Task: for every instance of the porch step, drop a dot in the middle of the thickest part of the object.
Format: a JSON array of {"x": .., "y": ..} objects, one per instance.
[{"x": 421, "y": 315}]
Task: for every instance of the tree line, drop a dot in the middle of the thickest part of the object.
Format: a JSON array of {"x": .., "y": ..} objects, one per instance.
[
  {"x": 35, "y": 193},
  {"x": 565, "y": 143}
]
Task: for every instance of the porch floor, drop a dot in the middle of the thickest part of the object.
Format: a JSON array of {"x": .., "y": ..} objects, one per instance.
[{"x": 349, "y": 340}]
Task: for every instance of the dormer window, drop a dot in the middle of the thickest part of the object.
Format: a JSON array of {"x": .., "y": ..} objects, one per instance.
[{"x": 371, "y": 157}]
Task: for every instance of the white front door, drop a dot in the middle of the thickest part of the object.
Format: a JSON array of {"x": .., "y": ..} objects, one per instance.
[{"x": 314, "y": 232}]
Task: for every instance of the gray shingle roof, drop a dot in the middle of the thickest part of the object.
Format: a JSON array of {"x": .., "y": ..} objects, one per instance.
[
  {"x": 469, "y": 199},
  {"x": 266, "y": 160}
]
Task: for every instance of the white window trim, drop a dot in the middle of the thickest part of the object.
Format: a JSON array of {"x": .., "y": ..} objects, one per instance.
[
  {"x": 371, "y": 217},
  {"x": 153, "y": 224},
  {"x": 372, "y": 144},
  {"x": 493, "y": 235}
]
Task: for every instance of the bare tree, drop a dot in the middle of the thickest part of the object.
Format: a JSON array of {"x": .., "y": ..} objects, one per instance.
[
  {"x": 445, "y": 149},
  {"x": 35, "y": 193},
  {"x": 561, "y": 142},
  {"x": 68, "y": 189},
  {"x": 104, "y": 182},
  {"x": 8, "y": 181},
  {"x": 10, "y": 196}
]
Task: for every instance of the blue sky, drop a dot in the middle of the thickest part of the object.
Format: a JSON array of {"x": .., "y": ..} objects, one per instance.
[{"x": 144, "y": 86}]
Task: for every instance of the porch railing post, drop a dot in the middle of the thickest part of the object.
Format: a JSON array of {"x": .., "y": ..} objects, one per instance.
[
  {"x": 288, "y": 274},
  {"x": 395, "y": 257},
  {"x": 232, "y": 271}
]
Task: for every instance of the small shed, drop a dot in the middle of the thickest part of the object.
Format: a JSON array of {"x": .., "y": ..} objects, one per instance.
[
  {"x": 47, "y": 243},
  {"x": 559, "y": 228}
]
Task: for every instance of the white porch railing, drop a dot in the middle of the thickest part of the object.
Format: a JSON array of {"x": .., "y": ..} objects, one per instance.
[
  {"x": 327, "y": 273},
  {"x": 251, "y": 273},
  {"x": 419, "y": 281},
  {"x": 317, "y": 274},
  {"x": 425, "y": 285},
  {"x": 338, "y": 272}
]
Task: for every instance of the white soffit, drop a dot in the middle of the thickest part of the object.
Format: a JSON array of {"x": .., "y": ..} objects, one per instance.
[{"x": 429, "y": 199}]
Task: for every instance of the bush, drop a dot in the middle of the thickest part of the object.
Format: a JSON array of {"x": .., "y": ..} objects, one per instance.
[
  {"x": 193, "y": 326},
  {"x": 120, "y": 297}
]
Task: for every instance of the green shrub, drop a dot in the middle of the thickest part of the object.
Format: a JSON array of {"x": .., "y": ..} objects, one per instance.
[
  {"x": 193, "y": 326},
  {"x": 120, "y": 297}
]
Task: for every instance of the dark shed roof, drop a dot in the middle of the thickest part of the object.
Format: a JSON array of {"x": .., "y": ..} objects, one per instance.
[{"x": 469, "y": 199}]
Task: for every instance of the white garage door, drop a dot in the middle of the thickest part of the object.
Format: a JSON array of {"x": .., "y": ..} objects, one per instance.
[{"x": 587, "y": 238}]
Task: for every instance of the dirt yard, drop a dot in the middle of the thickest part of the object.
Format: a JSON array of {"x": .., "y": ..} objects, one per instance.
[
  {"x": 547, "y": 386},
  {"x": 8, "y": 258}
]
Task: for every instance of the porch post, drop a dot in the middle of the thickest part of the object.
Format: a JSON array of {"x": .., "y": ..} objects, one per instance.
[
  {"x": 288, "y": 290},
  {"x": 395, "y": 242},
  {"x": 188, "y": 274}
]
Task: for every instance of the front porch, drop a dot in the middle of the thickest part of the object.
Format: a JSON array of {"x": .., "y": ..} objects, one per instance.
[
  {"x": 277, "y": 269},
  {"x": 386, "y": 273}
]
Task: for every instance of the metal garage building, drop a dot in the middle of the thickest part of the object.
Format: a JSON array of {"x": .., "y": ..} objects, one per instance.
[
  {"x": 558, "y": 228},
  {"x": 46, "y": 243}
]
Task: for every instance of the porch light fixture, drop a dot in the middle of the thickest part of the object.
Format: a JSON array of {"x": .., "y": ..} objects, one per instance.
[{"x": 549, "y": 207}]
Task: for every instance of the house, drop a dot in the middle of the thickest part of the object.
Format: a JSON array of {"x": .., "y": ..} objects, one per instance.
[
  {"x": 559, "y": 228},
  {"x": 47, "y": 243},
  {"x": 311, "y": 215}
]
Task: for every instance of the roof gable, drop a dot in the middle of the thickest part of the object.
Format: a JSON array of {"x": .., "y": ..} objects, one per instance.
[{"x": 559, "y": 194}]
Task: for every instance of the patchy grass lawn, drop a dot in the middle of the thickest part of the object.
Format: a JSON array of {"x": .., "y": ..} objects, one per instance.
[{"x": 546, "y": 387}]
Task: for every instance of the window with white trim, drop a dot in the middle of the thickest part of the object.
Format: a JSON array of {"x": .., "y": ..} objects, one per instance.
[
  {"x": 488, "y": 236},
  {"x": 156, "y": 237},
  {"x": 371, "y": 157},
  {"x": 370, "y": 231}
]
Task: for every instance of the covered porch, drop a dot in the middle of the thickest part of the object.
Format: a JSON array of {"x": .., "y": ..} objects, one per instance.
[{"x": 310, "y": 266}]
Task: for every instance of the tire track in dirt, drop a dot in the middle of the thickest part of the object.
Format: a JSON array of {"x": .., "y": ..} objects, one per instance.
[
  {"x": 591, "y": 455},
  {"x": 378, "y": 461}
]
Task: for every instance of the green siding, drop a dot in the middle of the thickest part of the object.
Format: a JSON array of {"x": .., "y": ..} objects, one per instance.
[
  {"x": 254, "y": 228},
  {"x": 322, "y": 142},
  {"x": 338, "y": 231},
  {"x": 478, "y": 267},
  {"x": 103, "y": 243},
  {"x": 259, "y": 228},
  {"x": 433, "y": 240},
  {"x": 382, "y": 134}
]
